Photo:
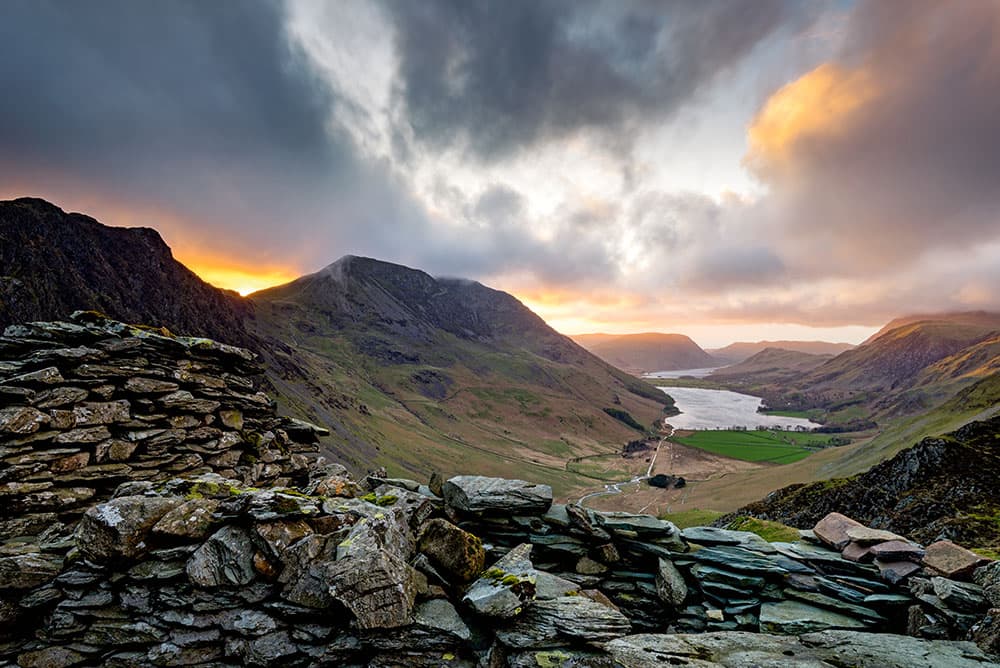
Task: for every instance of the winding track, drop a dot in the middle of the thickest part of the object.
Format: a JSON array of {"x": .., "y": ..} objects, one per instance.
[{"x": 615, "y": 487}]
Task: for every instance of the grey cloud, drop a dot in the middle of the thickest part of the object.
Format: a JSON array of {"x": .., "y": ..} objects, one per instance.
[{"x": 495, "y": 77}]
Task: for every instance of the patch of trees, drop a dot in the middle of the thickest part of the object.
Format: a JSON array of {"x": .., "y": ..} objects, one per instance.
[
  {"x": 625, "y": 418},
  {"x": 665, "y": 481}
]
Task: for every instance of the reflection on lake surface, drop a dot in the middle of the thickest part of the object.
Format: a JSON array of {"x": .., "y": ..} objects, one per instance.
[{"x": 721, "y": 409}]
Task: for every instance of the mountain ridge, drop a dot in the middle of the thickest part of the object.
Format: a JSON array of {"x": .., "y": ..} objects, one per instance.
[
  {"x": 53, "y": 263},
  {"x": 741, "y": 350}
]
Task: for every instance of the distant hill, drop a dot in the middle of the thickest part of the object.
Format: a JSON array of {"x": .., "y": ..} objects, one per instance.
[
  {"x": 639, "y": 353},
  {"x": 771, "y": 365},
  {"x": 905, "y": 371},
  {"x": 53, "y": 263},
  {"x": 741, "y": 350}
]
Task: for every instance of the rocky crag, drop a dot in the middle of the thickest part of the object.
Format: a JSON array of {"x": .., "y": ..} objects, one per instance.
[{"x": 228, "y": 542}]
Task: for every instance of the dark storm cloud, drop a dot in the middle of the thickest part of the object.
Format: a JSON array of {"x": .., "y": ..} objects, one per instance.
[
  {"x": 202, "y": 111},
  {"x": 102, "y": 80},
  {"x": 498, "y": 76}
]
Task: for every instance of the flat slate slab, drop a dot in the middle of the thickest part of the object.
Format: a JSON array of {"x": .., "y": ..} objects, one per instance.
[
  {"x": 832, "y": 530},
  {"x": 795, "y": 618},
  {"x": 952, "y": 561},
  {"x": 480, "y": 494},
  {"x": 848, "y": 648}
]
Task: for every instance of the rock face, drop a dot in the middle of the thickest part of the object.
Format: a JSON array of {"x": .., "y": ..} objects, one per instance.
[{"x": 128, "y": 273}]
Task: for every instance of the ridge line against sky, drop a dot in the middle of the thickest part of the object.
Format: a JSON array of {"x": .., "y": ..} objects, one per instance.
[{"x": 731, "y": 169}]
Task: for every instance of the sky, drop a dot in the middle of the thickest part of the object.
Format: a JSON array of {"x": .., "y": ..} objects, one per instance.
[{"x": 727, "y": 169}]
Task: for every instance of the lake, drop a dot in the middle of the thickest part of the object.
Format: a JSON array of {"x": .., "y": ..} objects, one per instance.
[
  {"x": 680, "y": 373},
  {"x": 722, "y": 409}
]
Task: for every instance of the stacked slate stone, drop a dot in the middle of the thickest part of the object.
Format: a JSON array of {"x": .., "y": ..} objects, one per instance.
[
  {"x": 698, "y": 579},
  {"x": 207, "y": 571},
  {"x": 89, "y": 404},
  {"x": 953, "y": 588}
]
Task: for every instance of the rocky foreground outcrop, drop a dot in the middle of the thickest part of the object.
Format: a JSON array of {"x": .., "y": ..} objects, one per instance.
[{"x": 257, "y": 552}]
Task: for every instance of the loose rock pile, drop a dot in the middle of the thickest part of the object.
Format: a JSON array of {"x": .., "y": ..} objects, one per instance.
[{"x": 256, "y": 552}]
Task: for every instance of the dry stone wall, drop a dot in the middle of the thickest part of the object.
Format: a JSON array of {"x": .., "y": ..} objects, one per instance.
[
  {"x": 89, "y": 404},
  {"x": 156, "y": 512}
]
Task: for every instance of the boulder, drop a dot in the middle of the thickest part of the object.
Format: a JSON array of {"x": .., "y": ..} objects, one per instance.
[
  {"x": 479, "y": 494},
  {"x": 371, "y": 576},
  {"x": 859, "y": 553},
  {"x": 506, "y": 587},
  {"x": 986, "y": 633},
  {"x": 440, "y": 616},
  {"x": 140, "y": 385},
  {"x": 118, "y": 528},
  {"x": 832, "y": 530},
  {"x": 28, "y": 570},
  {"x": 98, "y": 413},
  {"x": 670, "y": 585},
  {"x": 952, "y": 561},
  {"x": 794, "y": 618},
  {"x": 453, "y": 551},
  {"x": 416, "y": 506},
  {"x": 226, "y": 558}
]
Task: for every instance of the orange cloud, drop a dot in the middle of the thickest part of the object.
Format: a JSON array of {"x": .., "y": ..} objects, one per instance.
[{"x": 819, "y": 103}]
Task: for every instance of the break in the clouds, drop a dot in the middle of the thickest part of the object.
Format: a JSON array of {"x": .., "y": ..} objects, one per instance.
[{"x": 620, "y": 165}]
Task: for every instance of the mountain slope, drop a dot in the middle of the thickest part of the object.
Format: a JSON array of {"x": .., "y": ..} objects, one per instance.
[
  {"x": 982, "y": 319},
  {"x": 771, "y": 365},
  {"x": 647, "y": 352},
  {"x": 439, "y": 373},
  {"x": 741, "y": 350},
  {"x": 53, "y": 263},
  {"x": 943, "y": 487}
]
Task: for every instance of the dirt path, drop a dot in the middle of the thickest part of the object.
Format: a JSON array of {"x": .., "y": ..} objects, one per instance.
[{"x": 615, "y": 487}]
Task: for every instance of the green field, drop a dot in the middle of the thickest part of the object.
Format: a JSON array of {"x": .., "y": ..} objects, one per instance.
[{"x": 757, "y": 446}]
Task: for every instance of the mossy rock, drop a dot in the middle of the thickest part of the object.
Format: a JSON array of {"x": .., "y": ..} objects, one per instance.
[{"x": 456, "y": 552}]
